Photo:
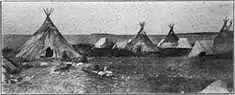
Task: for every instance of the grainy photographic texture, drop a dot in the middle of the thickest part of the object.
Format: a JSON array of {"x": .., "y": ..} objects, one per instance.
[{"x": 118, "y": 47}]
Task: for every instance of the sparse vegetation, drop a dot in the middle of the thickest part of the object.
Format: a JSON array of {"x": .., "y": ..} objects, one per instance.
[{"x": 133, "y": 75}]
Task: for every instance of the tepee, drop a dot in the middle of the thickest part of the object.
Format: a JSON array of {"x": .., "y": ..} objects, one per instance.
[
  {"x": 216, "y": 87},
  {"x": 141, "y": 42},
  {"x": 103, "y": 43},
  {"x": 170, "y": 40},
  {"x": 203, "y": 46},
  {"x": 47, "y": 42},
  {"x": 120, "y": 44},
  {"x": 183, "y": 43},
  {"x": 224, "y": 41}
]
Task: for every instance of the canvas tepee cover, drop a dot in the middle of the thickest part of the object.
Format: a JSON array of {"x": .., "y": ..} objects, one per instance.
[
  {"x": 103, "y": 43},
  {"x": 170, "y": 41},
  {"x": 141, "y": 42},
  {"x": 183, "y": 43},
  {"x": 202, "y": 46},
  {"x": 47, "y": 42},
  {"x": 120, "y": 44},
  {"x": 224, "y": 41},
  {"x": 216, "y": 87}
]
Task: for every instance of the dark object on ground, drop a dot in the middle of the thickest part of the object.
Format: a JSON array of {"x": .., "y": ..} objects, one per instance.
[
  {"x": 84, "y": 60},
  {"x": 65, "y": 56},
  {"x": 64, "y": 69},
  {"x": 96, "y": 68}
]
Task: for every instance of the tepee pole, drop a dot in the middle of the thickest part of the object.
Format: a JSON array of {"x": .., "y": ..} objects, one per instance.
[{"x": 13, "y": 63}]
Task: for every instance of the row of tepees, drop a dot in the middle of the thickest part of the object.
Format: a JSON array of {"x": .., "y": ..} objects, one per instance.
[
  {"x": 53, "y": 44},
  {"x": 222, "y": 43},
  {"x": 105, "y": 42},
  {"x": 192, "y": 50}
]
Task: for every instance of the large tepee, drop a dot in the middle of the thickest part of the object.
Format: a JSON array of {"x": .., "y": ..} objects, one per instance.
[
  {"x": 47, "y": 42},
  {"x": 141, "y": 42},
  {"x": 170, "y": 40},
  {"x": 223, "y": 42}
]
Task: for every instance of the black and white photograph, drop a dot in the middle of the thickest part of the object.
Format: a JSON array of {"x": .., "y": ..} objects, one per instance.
[{"x": 118, "y": 47}]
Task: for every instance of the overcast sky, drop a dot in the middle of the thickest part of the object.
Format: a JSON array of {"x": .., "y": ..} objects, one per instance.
[{"x": 117, "y": 17}]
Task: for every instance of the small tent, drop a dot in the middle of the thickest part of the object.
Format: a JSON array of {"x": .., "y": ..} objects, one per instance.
[
  {"x": 183, "y": 43},
  {"x": 224, "y": 41},
  {"x": 216, "y": 87},
  {"x": 141, "y": 42},
  {"x": 47, "y": 42},
  {"x": 103, "y": 43},
  {"x": 120, "y": 44},
  {"x": 170, "y": 40},
  {"x": 202, "y": 47}
]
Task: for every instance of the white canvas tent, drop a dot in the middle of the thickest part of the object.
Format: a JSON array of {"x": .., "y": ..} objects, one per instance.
[
  {"x": 164, "y": 44},
  {"x": 216, "y": 87},
  {"x": 205, "y": 46},
  {"x": 103, "y": 43},
  {"x": 120, "y": 44},
  {"x": 183, "y": 43}
]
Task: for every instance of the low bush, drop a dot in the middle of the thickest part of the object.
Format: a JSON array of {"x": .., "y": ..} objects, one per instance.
[{"x": 9, "y": 52}]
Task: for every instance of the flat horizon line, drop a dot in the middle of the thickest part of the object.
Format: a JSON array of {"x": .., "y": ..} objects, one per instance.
[{"x": 126, "y": 34}]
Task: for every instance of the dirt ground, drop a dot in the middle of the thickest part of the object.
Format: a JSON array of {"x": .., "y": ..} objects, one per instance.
[{"x": 132, "y": 75}]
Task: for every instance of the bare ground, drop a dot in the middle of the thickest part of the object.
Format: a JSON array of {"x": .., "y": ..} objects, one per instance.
[{"x": 133, "y": 75}]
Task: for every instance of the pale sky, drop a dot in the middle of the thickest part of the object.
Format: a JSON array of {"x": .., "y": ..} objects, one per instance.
[{"x": 117, "y": 17}]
